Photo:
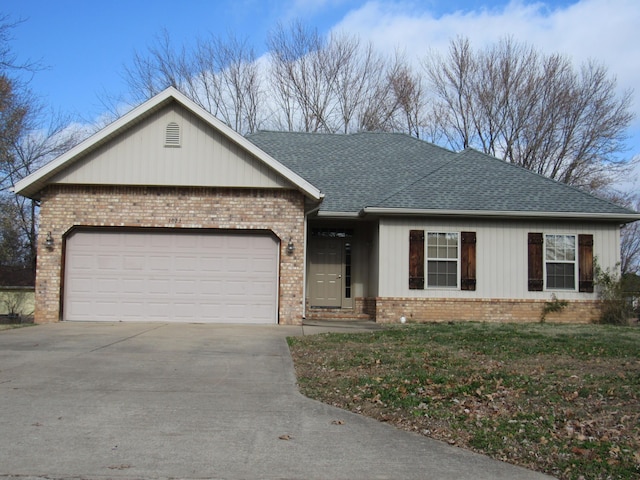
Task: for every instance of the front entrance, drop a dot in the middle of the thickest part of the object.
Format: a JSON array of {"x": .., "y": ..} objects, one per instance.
[{"x": 330, "y": 269}]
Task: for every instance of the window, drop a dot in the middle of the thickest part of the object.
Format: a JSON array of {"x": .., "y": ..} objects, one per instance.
[
  {"x": 554, "y": 261},
  {"x": 442, "y": 260},
  {"x": 347, "y": 270},
  {"x": 444, "y": 252},
  {"x": 560, "y": 258}
]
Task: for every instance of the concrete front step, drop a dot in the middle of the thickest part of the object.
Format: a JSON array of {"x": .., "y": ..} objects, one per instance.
[{"x": 329, "y": 314}]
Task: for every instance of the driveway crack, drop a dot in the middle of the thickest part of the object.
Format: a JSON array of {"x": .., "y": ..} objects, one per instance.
[{"x": 127, "y": 338}]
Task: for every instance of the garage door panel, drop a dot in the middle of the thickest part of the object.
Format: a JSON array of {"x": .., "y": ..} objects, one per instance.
[
  {"x": 135, "y": 286},
  {"x": 81, "y": 308},
  {"x": 80, "y": 285},
  {"x": 194, "y": 277},
  {"x": 107, "y": 286},
  {"x": 186, "y": 264},
  {"x": 131, "y": 262},
  {"x": 109, "y": 262}
]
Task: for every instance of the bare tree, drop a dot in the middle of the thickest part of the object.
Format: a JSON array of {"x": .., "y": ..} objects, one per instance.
[
  {"x": 530, "y": 109},
  {"x": 161, "y": 66},
  {"x": 27, "y": 141},
  {"x": 302, "y": 72},
  {"x": 409, "y": 95},
  {"x": 451, "y": 84},
  {"x": 225, "y": 80},
  {"x": 221, "y": 76},
  {"x": 630, "y": 240}
]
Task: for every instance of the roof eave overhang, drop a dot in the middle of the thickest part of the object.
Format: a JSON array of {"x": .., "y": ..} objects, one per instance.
[
  {"x": 329, "y": 214},
  {"x": 31, "y": 185},
  {"x": 608, "y": 217}
]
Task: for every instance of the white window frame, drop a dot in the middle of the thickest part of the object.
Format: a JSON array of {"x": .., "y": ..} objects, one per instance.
[
  {"x": 575, "y": 262},
  {"x": 428, "y": 259}
]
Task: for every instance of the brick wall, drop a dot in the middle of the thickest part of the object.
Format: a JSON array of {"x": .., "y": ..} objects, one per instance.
[
  {"x": 389, "y": 310},
  {"x": 64, "y": 207}
]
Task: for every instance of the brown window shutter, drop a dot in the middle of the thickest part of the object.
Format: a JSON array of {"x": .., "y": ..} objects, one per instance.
[
  {"x": 468, "y": 260},
  {"x": 585, "y": 263},
  {"x": 416, "y": 259},
  {"x": 536, "y": 280}
]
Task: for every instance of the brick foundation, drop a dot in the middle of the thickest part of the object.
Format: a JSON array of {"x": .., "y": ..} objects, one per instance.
[
  {"x": 65, "y": 207},
  {"x": 389, "y": 310}
]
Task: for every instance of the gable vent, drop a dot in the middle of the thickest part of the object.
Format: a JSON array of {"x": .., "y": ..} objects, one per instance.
[{"x": 172, "y": 135}]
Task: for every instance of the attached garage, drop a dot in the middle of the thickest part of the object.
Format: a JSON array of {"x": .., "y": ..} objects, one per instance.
[
  {"x": 167, "y": 214},
  {"x": 169, "y": 276}
]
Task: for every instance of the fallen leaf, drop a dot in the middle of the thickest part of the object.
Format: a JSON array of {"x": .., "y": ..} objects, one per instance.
[
  {"x": 581, "y": 451},
  {"x": 337, "y": 422},
  {"x": 286, "y": 436}
]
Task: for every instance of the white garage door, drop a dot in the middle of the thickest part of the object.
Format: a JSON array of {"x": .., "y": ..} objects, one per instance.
[{"x": 171, "y": 277}]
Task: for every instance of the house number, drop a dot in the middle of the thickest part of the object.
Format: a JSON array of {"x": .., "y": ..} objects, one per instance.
[{"x": 174, "y": 220}]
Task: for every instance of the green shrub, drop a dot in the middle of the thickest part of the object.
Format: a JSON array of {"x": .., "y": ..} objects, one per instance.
[{"x": 615, "y": 307}]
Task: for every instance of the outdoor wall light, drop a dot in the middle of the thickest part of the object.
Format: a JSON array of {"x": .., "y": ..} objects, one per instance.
[
  {"x": 290, "y": 247},
  {"x": 48, "y": 242}
]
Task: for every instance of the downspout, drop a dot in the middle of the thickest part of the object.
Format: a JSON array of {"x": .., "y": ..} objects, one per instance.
[{"x": 304, "y": 261}]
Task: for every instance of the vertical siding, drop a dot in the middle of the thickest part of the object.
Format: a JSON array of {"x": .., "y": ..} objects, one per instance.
[
  {"x": 501, "y": 256},
  {"x": 374, "y": 268},
  {"x": 139, "y": 157}
]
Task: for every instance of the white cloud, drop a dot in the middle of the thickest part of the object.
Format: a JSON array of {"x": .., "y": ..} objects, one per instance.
[{"x": 603, "y": 30}]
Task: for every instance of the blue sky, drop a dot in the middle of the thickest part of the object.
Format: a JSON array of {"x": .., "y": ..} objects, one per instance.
[{"x": 85, "y": 43}]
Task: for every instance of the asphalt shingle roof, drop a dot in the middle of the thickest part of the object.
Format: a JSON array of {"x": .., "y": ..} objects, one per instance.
[{"x": 392, "y": 170}]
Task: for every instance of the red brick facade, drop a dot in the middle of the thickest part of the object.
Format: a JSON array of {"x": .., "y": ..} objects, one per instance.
[{"x": 65, "y": 207}]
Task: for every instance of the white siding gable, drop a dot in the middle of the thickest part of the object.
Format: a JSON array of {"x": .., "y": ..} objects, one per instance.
[{"x": 202, "y": 157}]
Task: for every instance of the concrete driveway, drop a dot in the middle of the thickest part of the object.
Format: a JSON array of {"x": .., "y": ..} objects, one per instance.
[{"x": 94, "y": 400}]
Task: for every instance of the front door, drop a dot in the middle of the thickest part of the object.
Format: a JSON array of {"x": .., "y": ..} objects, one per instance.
[{"x": 325, "y": 272}]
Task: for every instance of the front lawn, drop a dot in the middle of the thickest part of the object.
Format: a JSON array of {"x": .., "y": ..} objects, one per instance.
[{"x": 560, "y": 399}]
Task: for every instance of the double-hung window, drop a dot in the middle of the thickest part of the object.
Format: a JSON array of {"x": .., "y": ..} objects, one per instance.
[
  {"x": 560, "y": 262},
  {"x": 442, "y": 260},
  {"x": 560, "y": 258}
]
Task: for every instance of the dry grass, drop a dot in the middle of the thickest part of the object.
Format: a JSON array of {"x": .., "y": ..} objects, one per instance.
[{"x": 559, "y": 399}]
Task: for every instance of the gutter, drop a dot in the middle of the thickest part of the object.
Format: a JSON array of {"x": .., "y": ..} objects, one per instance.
[{"x": 620, "y": 217}]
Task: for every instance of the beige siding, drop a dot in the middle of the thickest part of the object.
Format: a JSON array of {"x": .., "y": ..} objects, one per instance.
[
  {"x": 139, "y": 157},
  {"x": 501, "y": 257},
  {"x": 374, "y": 264}
]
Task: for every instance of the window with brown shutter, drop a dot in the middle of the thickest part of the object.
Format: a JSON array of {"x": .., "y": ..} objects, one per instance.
[
  {"x": 536, "y": 281},
  {"x": 585, "y": 263},
  {"x": 468, "y": 259},
  {"x": 416, "y": 259}
]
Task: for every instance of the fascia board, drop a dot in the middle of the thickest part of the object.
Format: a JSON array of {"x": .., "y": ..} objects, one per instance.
[
  {"x": 327, "y": 214},
  {"x": 613, "y": 217}
]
